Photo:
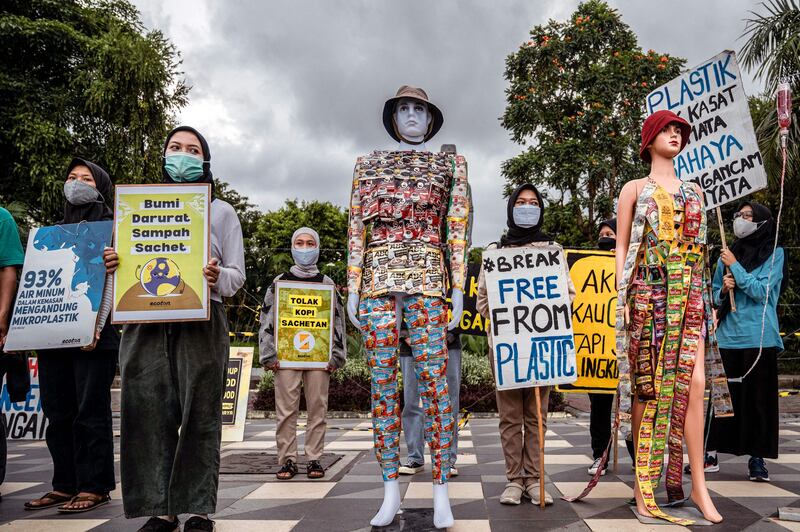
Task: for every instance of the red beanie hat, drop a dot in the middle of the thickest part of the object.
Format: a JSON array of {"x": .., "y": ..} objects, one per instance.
[{"x": 655, "y": 123}]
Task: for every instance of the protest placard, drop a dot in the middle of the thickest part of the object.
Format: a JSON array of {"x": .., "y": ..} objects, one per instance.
[
  {"x": 471, "y": 321},
  {"x": 236, "y": 393},
  {"x": 161, "y": 234},
  {"x": 722, "y": 155},
  {"x": 25, "y": 420},
  {"x": 531, "y": 317},
  {"x": 304, "y": 324},
  {"x": 593, "y": 321},
  {"x": 61, "y": 287}
]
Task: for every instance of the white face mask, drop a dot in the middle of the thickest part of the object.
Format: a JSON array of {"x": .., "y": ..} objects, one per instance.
[
  {"x": 412, "y": 118},
  {"x": 743, "y": 228}
]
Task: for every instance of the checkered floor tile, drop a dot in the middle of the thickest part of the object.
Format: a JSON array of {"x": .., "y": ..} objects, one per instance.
[{"x": 351, "y": 492}]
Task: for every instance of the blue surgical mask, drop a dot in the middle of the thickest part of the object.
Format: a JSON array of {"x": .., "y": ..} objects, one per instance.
[
  {"x": 527, "y": 215},
  {"x": 305, "y": 256},
  {"x": 183, "y": 167},
  {"x": 79, "y": 193}
]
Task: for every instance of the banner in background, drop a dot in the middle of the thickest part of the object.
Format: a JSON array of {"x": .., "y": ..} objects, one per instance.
[
  {"x": 61, "y": 287},
  {"x": 531, "y": 317},
  {"x": 236, "y": 394},
  {"x": 25, "y": 420},
  {"x": 304, "y": 324},
  {"x": 593, "y": 321},
  {"x": 161, "y": 234},
  {"x": 722, "y": 155},
  {"x": 471, "y": 322}
]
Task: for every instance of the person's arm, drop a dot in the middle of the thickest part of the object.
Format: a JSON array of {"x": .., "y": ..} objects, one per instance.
[
  {"x": 267, "y": 354},
  {"x": 356, "y": 236},
  {"x": 482, "y": 301},
  {"x": 8, "y": 288},
  {"x": 11, "y": 257},
  {"x": 231, "y": 264},
  {"x": 756, "y": 286},
  {"x": 716, "y": 284},
  {"x": 457, "y": 223},
  {"x": 339, "y": 348},
  {"x": 626, "y": 208}
]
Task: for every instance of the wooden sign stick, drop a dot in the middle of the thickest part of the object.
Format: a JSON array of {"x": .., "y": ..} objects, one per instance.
[
  {"x": 725, "y": 246},
  {"x": 541, "y": 447}
]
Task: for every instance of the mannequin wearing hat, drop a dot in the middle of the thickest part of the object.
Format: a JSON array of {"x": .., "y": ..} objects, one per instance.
[
  {"x": 409, "y": 216},
  {"x": 664, "y": 321}
]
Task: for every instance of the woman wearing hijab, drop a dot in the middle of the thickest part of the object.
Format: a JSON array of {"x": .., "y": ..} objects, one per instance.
[
  {"x": 601, "y": 403},
  {"x": 75, "y": 383},
  {"x": 173, "y": 374},
  {"x": 517, "y": 408},
  {"x": 305, "y": 252},
  {"x": 745, "y": 268}
]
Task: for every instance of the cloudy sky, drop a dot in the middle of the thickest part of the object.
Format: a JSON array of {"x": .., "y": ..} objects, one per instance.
[{"x": 289, "y": 92}]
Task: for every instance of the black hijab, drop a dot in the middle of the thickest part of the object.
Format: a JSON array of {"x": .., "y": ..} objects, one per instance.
[
  {"x": 208, "y": 177},
  {"x": 519, "y": 236},
  {"x": 755, "y": 249},
  {"x": 96, "y": 210}
]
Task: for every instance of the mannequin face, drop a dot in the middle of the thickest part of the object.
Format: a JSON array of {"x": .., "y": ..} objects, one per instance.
[
  {"x": 412, "y": 118},
  {"x": 304, "y": 241},
  {"x": 526, "y": 197},
  {"x": 667, "y": 143},
  {"x": 81, "y": 173}
]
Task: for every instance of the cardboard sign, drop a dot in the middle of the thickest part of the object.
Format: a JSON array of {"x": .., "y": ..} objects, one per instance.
[
  {"x": 531, "y": 317},
  {"x": 593, "y": 319},
  {"x": 236, "y": 394},
  {"x": 25, "y": 420},
  {"x": 61, "y": 287},
  {"x": 722, "y": 155},
  {"x": 471, "y": 321},
  {"x": 304, "y": 324},
  {"x": 161, "y": 233}
]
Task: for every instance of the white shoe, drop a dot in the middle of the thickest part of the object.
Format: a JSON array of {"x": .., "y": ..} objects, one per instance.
[
  {"x": 453, "y": 472},
  {"x": 532, "y": 493},
  {"x": 595, "y": 466}
]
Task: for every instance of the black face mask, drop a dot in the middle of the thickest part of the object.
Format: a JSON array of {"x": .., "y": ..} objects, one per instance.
[{"x": 606, "y": 243}]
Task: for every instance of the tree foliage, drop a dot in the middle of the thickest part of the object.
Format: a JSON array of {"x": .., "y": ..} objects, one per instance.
[
  {"x": 574, "y": 98},
  {"x": 772, "y": 52},
  {"x": 80, "y": 78}
]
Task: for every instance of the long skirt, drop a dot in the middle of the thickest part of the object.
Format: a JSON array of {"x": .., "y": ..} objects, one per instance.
[{"x": 753, "y": 429}]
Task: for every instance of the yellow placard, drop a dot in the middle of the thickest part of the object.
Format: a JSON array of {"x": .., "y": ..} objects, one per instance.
[
  {"x": 303, "y": 324},
  {"x": 161, "y": 234},
  {"x": 593, "y": 321}
]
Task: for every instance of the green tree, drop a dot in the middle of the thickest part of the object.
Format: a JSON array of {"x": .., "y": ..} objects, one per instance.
[
  {"x": 574, "y": 99},
  {"x": 80, "y": 78},
  {"x": 772, "y": 53}
]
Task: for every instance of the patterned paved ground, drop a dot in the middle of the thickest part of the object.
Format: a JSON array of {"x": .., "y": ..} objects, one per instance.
[{"x": 351, "y": 493}]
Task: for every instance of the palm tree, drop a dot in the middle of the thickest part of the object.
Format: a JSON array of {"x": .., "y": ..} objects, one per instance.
[
  {"x": 773, "y": 42},
  {"x": 772, "y": 52}
]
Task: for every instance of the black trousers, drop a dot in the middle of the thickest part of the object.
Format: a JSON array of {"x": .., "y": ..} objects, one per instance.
[
  {"x": 173, "y": 377},
  {"x": 75, "y": 388},
  {"x": 600, "y": 421}
]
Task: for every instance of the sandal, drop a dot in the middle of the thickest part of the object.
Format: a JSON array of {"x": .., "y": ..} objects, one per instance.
[
  {"x": 95, "y": 500},
  {"x": 288, "y": 471},
  {"x": 55, "y": 500},
  {"x": 314, "y": 469}
]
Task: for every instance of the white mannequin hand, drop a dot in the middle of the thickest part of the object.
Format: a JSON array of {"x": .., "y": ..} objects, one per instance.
[
  {"x": 352, "y": 309},
  {"x": 457, "y": 307}
]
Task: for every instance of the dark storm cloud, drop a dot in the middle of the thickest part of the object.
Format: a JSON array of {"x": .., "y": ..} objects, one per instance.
[{"x": 289, "y": 93}]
